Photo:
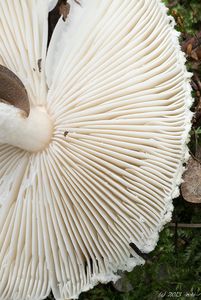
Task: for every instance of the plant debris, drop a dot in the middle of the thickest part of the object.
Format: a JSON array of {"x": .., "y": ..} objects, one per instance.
[
  {"x": 61, "y": 9},
  {"x": 191, "y": 188}
]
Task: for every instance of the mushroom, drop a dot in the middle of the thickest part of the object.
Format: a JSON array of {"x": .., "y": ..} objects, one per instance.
[{"x": 92, "y": 141}]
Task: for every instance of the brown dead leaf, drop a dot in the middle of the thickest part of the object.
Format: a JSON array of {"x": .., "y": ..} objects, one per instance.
[
  {"x": 191, "y": 187},
  {"x": 64, "y": 9},
  {"x": 189, "y": 49},
  {"x": 195, "y": 54},
  {"x": 123, "y": 284},
  {"x": 194, "y": 41}
]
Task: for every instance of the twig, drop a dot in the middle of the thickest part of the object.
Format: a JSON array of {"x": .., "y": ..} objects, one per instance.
[
  {"x": 194, "y": 157},
  {"x": 184, "y": 225}
]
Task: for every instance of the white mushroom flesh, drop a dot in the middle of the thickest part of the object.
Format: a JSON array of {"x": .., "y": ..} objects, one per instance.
[{"x": 115, "y": 87}]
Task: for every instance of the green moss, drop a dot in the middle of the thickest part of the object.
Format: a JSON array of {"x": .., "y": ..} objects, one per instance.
[
  {"x": 171, "y": 271},
  {"x": 187, "y": 14}
]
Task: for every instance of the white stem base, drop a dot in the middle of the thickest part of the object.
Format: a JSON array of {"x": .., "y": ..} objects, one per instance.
[{"x": 32, "y": 134}]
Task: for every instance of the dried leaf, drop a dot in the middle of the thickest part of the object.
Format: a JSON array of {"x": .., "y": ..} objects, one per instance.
[
  {"x": 123, "y": 284},
  {"x": 64, "y": 9},
  {"x": 194, "y": 41},
  {"x": 191, "y": 187},
  {"x": 189, "y": 49}
]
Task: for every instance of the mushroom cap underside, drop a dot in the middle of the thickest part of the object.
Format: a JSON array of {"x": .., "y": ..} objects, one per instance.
[{"x": 115, "y": 84}]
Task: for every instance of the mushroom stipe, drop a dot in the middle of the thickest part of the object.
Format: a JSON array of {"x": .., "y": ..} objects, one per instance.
[{"x": 87, "y": 177}]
